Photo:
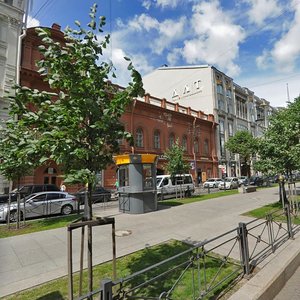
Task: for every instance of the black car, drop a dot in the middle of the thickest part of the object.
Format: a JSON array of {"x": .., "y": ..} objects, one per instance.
[
  {"x": 99, "y": 194},
  {"x": 28, "y": 189},
  {"x": 256, "y": 180}
]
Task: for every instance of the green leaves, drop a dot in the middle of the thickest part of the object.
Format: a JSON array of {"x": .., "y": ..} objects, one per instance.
[
  {"x": 176, "y": 163},
  {"x": 279, "y": 147},
  {"x": 78, "y": 125}
]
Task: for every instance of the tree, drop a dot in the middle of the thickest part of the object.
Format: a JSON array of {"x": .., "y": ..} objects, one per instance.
[
  {"x": 244, "y": 144},
  {"x": 78, "y": 124},
  {"x": 15, "y": 160},
  {"x": 176, "y": 164},
  {"x": 279, "y": 148}
]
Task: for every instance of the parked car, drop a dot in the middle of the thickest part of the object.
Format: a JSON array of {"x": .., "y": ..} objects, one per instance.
[
  {"x": 99, "y": 194},
  {"x": 256, "y": 180},
  {"x": 28, "y": 189},
  {"x": 168, "y": 187},
  {"x": 40, "y": 204},
  {"x": 229, "y": 183},
  {"x": 212, "y": 182},
  {"x": 243, "y": 180}
]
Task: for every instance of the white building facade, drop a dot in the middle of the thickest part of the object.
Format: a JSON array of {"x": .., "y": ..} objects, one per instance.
[
  {"x": 207, "y": 89},
  {"x": 11, "y": 22}
]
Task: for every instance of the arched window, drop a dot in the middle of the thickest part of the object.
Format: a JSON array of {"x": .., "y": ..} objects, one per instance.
[
  {"x": 184, "y": 143},
  {"x": 206, "y": 147},
  {"x": 156, "y": 139},
  {"x": 171, "y": 140},
  {"x": 139, "y": 138}
]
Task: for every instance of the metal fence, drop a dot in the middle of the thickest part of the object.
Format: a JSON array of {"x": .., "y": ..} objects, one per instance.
[{"x": 207, "y": 267}]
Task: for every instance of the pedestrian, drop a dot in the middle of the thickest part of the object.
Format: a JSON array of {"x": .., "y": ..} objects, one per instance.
[{"x": 62, "y": 187}]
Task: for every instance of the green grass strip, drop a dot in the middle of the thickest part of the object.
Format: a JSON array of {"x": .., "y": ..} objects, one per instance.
[
  {"x": 37, "y": 225},
  {"x": 196, "y": 198},
  {"x": 129, "y": 264}
]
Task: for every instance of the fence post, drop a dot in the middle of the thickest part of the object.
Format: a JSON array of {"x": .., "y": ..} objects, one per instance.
[
  {"x": 244, "y": 247},
  {"x": 271, "y": 231},
  {"x": 289, "y": 220},
  {"x": 106, "y": 286}
]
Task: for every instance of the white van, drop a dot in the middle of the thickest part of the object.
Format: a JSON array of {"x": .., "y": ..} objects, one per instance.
[{"x": 170, "y": 187}]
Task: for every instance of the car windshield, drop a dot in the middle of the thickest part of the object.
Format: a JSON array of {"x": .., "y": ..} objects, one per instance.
[
  {"x": 228, "y": 179},
  {"x": 211, "y": 180}
]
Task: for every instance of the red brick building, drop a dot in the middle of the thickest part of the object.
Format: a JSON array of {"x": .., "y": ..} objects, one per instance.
[{"x": 155, "y": 123}]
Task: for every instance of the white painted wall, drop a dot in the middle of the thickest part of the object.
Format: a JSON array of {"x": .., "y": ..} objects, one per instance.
[{"x": 189, "y": 86}]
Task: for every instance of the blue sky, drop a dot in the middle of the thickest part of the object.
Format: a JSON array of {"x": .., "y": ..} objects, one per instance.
[{"x": 256, "y": 42}]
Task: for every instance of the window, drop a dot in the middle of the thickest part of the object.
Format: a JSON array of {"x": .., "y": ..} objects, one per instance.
[
  {"x": 184, "y": 143},
  {"x": 123, "y": 176},
  {"x": 206, "y": 147},
  {"x": 139, "y": 138},
  {"x": 148, "y": 176},
  {"x": 230, "y": 129},
  {"x": 53, "y": 196},
  {"x": 221, "y": 103},
  {"x": 156, "y": 139},
  {"x": 221, "y": 125},
  {"x": 171, "y": 140},
  {"x": 220, "y": 89},
  {"x": 9, "y": 2},
  {"x": 222, "y": 145},
  {"x": 38, "y": 198}
]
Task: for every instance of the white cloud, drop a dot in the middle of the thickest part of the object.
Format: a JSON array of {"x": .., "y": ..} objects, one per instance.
[
  {"x": 262, "y": 9},
  {"x": 216, "y": 38},
  {"x": 143, "y": 22},
  {"x": 116, "y": 51},
  {"x": 166, "y": 3},
  {"x": 32, "y": 22},
  {"x": 163, "y": 33},
  {"x": 264, "y": 61},
  {"x": 273, "y": 88},
  {"x": 174, "y": 56},
  {"x": 286, "y": 50},
  {"x": 169, "y": 31},
  {"x": 146, "y": 4}
]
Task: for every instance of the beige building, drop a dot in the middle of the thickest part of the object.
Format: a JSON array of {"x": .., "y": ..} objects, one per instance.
[
  {"x": 11, "y": 22},
  {"x": 207, "y": 89}
]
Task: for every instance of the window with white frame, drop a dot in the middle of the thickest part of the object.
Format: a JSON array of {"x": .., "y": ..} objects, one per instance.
[
  {"x": 156, "y": 139},
  {"x": 139, "y": 138}
]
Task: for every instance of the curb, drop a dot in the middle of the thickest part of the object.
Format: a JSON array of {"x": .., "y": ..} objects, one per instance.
[{"x": 269, "y": 281}]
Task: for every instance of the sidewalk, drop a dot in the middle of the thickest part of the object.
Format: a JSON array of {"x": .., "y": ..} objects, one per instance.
[{"x": 36, "y": 258}]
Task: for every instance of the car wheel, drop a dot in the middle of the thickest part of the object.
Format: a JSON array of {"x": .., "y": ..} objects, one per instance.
[
  {"x": 188, "y": 193},
  {"x": 66, "y": 210},
  {"x": 13, "y": 217}
]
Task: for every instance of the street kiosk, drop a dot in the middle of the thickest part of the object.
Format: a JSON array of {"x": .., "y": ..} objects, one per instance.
[{"x": 137, "y": 182}]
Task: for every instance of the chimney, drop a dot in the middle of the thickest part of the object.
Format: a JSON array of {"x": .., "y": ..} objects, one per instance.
[{"x": 56, "y": 26}]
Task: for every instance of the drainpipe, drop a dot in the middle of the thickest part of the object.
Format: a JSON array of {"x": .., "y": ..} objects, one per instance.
[
  {"x": 194, "y": 153},
  {"x": 131, "y": 123},
  {"x": 214, "y": 143}
]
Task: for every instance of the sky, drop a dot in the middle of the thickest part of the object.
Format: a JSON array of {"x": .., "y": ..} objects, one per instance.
[{"x": 255, "y": 42}]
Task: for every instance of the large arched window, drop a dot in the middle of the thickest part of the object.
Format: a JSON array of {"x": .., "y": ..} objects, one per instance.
[
  {"x": 184, "y": 143},
  {"x": 171, "y": 140},
  {"x": 156, "y": 139},
  {"x": 139, "y": 138}
]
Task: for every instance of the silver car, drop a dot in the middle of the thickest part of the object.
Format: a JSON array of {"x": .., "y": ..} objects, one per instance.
[
  {"x": 212, "y": 182},
  {"x": 229, "y": 183},
  {"x": 40, "y": 204}
]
